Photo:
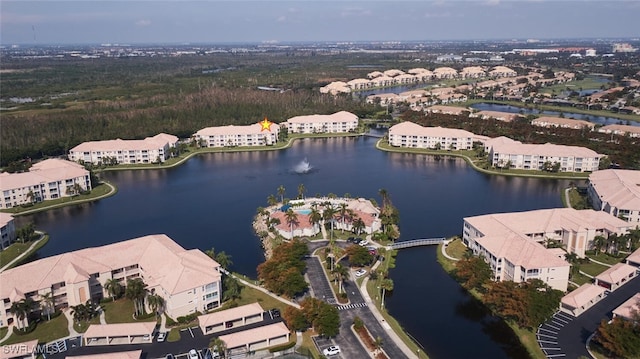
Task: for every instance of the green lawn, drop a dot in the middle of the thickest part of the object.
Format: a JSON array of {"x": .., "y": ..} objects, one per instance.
[
  {"x": 121, "y": 311},
  {"x": 3, "y": 331},
  {"x": 605, "y": 258},
  {"x": 100, "y": 190},
  {"x": 45, "y": 332},
  {"x": 456, "y": 249},
  {"x": 16, "y": 249},
  {"x": 580, "y": 279},
  {"x": 593, "y": 268},
  {"x": 83, "y": 326},
  {"x": 577, "y": 200},
  {"x": 174, "y": 335}
]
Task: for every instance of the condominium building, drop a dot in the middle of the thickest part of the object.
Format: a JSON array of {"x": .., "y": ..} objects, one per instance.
[
  {"x": 233, "y": 136},
  {"x": 150, "y": 150},
  {"x": 616, "y": 192},
  {"x": 504, "y": 151},
  {"x": 342, "y": 121},
  {"x": 187, "y": 280},
  {"x": 45, "y": 180},
  {"x": 7, "y": 230},
  {"x": 548, "y": 121},
  {"x": 409, "y": 134},
  {"x": 511, "y": 242},
  {"x": 622, "y": 130}
]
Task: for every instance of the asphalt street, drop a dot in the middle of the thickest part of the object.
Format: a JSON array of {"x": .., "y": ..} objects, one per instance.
[{"x": 565, "y": 336}]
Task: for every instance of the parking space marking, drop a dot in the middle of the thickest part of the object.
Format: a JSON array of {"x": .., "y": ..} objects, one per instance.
[
  {"x": 549, "y": 325},
  {"x": 557, "y": 317},
  {"x": 548, "y": 336},
  {"x": 547, "y": 330},
  {"x": 547, "y": 341},
  {"x": 555, "y": 355},
  {"x": 550, "y": 348}
]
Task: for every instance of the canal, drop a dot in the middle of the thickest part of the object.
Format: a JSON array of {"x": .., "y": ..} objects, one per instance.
[{"x": 210, "y": 200}]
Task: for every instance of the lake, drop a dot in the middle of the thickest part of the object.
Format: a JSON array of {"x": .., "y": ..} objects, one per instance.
[{"x": 210, "y": 200}]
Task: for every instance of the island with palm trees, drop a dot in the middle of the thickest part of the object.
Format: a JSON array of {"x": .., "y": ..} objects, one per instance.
[{"x": 319, "y": 217}]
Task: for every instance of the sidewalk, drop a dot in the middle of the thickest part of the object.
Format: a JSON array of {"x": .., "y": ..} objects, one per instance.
[
  {"x": 376, "y": 313},
  {"x": 286, "y": 301},
  {"x": 72, "y": 332},
  {"x": 27, "y": 252},
  {"x": 9, "y": 332},
  {"x": 444, "y": 252}
]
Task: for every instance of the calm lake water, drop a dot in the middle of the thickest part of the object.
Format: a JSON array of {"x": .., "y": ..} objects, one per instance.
[{"x": 210, "y": 200}]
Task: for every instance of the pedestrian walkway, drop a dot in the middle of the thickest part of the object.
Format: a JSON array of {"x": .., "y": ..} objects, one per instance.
[
  {"x": 25, "y": 253},
  {"x": 444, "y": 252},
  {"x": 376, "y": 313},
  {"x": 263, "y": 290},
  {"x": 351, "y": 306},
  {"x": 9, "y": 332},
  {"x": 103, "y": 319},
  {"x": 602, "y": 264},
  {"x": 72, "y": 332}
]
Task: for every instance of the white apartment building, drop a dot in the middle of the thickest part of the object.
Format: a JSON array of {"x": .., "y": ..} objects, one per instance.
[
  {"x": 150, "y": 150},
  {"x": 622, "y": 130},
  {"x": 188, "y": 280},
  {"x": 7, "y": 230},
  {"x": 616, "y": 192},
  {"x": 234, "y": 136},
  {"x": 45, "y": 180},
  {"x": 409, "y": 134},
  {"x": 338, "y": 122},
  {"x": 503, "y": 150},
  {"x": 548, "y": 121}
]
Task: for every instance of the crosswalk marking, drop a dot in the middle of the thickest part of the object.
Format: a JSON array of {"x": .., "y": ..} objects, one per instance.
[{"x": 351, "y": 306}]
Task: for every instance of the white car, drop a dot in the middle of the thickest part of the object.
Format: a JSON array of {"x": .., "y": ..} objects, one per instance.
[
  {"x": 332, "y": 350},
  {"x": 193, "y": 354},
  {"x": 364, "y": 243},
  {"x": 360, "y": 272},
  {"x": 161, "y": 337}
]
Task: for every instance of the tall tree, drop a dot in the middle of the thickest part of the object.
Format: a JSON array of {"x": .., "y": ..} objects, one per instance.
[
  {"x": 281, "y": 192},
  {"x": 47, "y": 304},
  {"x": 20, "y": 313},
  {"x": 156, "y": 303},
  {"x": 386, "y": 285},
  {"x": 342, "y": 210},
  {"x": 328, "y": 213},
  {"x": 136, "y": 291},
  {"x": 315, "y": 217},
  {"x": 292, "y": 219},
  {"x": 113, "y": 287},
  {"x": 224, "y": 260},
  {"x": 301, "y": 191}
]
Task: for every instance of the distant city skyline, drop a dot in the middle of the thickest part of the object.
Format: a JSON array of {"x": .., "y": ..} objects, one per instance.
[{"x": 217, "y": 21}]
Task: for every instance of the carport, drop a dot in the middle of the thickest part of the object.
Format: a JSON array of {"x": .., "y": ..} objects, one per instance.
[
  {"x": 118, "y": 334},
  {"x": 257, "y": 338},
  {"x": 581, "y": 299},
  {"x": 133, "y": 354},
  {"x": 234, "y": 317},
  {"x": 616, "y": 276}
]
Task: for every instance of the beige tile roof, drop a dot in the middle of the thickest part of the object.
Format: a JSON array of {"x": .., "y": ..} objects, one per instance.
[
  {"x": 342, "y": 116},
  {"x": 15, "y": 350},
  {"x": 627, "y": 308},
  {"x": 411, "y": 129},
  {"x": 521, "y": 251},
  {"x": 245, "y": 337},
  {"x": 620, "y": 129},
  {"x": 445, "y": 70},
  {"x": 620, "y": 188},
  {"x": 254, "y": 129},
  {"x": 132, "y": 354},
  {"x": 616, "y": 273},
  {"x": 303, "y": 221},
  {"x": 447, "y": 109},
  {"x": 502, "y": 116},
  {"x": 583, "y": 295},
  {"x": 50, "y": 170},
  {"x": 236, "y": 313},
  {"x": 165, "y": 263},
  {"x": 120, "y": 329},
  {"x": 5, "y": 218},
  {"x": 149, "y": 143},
  {"x": 505, "y": 145},
  {"x": 634, "y": 257},
  {"x": 548, "y": 121}
]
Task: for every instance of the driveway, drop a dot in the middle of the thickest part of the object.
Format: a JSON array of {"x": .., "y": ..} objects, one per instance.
[{"x": 566, "y": 336}]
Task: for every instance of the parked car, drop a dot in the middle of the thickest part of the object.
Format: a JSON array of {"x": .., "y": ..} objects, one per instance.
[
  {"x": 169, "y": 356},
  {"x": 364, "y": 243},
  {"x": 229, "y": 324},
  {"x": 275, "y": 313},
  {"x": 206, "y": 353},
  {"x": 332, "y": 350},
  {"x": 193, "y": 354},
  {"x": 161, "y": 337},
  {"x": 360, "y": 272}
]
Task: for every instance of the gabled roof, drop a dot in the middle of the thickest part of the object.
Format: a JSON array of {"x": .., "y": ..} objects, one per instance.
[
  {"x": 236, "y": 313},
  {"x": 619, "y": 188},
  {"x": 51, "y": 170},
  {"x": 616, "y": 273},
  {"x": 583, "y": 295}
]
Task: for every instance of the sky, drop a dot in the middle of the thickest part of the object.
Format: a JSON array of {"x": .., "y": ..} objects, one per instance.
[{"x": 241, "y": 21}]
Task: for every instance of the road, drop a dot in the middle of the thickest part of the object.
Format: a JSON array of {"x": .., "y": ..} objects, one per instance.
[{"x": 565, "y": 336}]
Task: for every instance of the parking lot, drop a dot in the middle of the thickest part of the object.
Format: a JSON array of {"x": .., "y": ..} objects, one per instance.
[
  {"x": 323, "y": 343},
  {"x": 320, "y": 285},
  {"x": 547, "y": 334}
]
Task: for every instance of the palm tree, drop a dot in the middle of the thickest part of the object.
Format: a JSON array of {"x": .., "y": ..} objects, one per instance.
[
  {"x": 211, "y": 253},
  {"x": 224, "y": 260},
  {"x": 301, "y": 191},
  {"x": 343, "y": 213},
  {"x": 136, "y": 292},
  {"x": 271, "y": 200},
  {"x": 19, "y": 311},
  {"x": 113, "y": 287},
  {"x": 341, "y": 274},
  {"x": 292, "y": 218},
  {"x": 47, "y": 303},
  {"x": 219, "y": 346},
  {"x": 79, "y": 312},
  {"x": 156, "y": 303},
  {"x": 328, "y": 213},
  {"x": 599, "y": 242},
  {"x": 281, "y": 191},
  {"x": 315, "y": 217},
  {"x": 358, "y": 226},
  {"x": 386, "y": 285},
  {"x": 30, "y": 196}
]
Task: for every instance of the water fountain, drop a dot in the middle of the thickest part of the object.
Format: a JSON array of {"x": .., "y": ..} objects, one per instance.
[{"x": 303, "y": 167}]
